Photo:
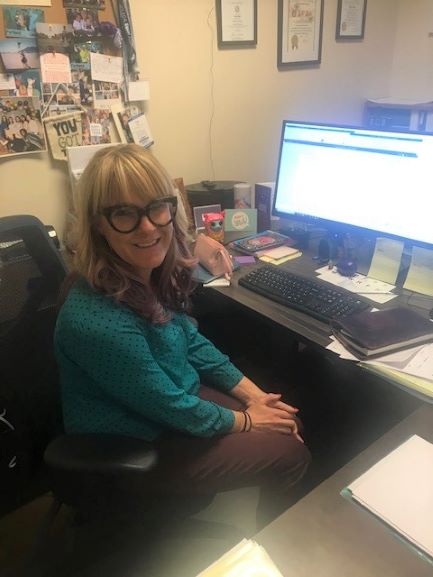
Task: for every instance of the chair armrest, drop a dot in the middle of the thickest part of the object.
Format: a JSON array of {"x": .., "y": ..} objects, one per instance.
[{"x": 100, "y": 453}]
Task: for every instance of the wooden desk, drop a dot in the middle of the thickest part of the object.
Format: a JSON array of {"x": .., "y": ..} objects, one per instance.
[{"x": 324, "y": 535}]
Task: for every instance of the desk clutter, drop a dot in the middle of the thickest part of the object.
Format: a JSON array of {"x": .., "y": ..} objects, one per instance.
[
  {"x": 408, "y": 364},
  {"x": 410, "y": 368}
]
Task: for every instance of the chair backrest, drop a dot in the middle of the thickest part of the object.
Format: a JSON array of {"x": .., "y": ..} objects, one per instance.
[{"x": 31, "y": 273}]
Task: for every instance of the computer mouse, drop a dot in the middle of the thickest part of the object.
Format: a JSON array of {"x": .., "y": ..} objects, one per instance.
[{"x": 346, "y": 266}]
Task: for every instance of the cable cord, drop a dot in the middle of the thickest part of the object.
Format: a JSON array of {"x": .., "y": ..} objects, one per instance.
[{"x": 212, "y": 95}]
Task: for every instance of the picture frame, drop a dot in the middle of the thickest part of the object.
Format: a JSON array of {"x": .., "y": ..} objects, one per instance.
[
  {"x": 236, "y": 23},
  {"x": 199, "y": 211},
  {"x": 300, "y": 28},
  {"x": 351, "y": 16}
]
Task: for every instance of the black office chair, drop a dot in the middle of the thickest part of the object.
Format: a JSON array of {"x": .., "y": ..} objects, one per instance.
[
  {"x": 101, "y": 477},
  {"x": 86, "y": 472}
]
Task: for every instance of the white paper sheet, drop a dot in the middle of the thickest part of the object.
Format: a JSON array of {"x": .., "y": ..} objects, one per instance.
[
  {"x": 399, "y": 490},
  {"x": 420, "y": 276},
  {"x": 7, "y": 82},
  {"x": 106, "y": 68},
  {"x": 138, "y": 90},
  {"x": 386, "y": 260},
  {"x": 372, "y": 289}
]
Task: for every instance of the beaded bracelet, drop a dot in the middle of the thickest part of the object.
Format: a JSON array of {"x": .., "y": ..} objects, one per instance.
[
  {"x": 244, "y": 428},
  {"x": 250, "y": 423},
  {"x": 247, "y": 422}
]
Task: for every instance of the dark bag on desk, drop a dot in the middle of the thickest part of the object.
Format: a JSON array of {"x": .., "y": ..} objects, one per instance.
[{"x": 368, "y": 334}]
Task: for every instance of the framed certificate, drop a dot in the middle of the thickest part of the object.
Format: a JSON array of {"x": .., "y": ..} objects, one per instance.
[
  {"x": 236, "y": 23},
  {"x": 351, "y": 19},
  {"x": 299, "y": 33}
]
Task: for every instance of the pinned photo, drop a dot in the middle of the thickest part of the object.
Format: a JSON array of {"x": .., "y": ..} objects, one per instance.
[
  {"x": 55, "y": 38},
  {"x": 97, "y": 126},
  {"x": 81, "y": 53},
  {"x": 28, "y": 83},
  {"x": 105, "y": 93},
  {"x": 21, "y": 22},
  {"x": 60, "y": 98},
  {"x": 122, "y": 115},
  {"x": 21, "y": 129},
  {"x": 84, "y": 79},
  {"x": 84, "y": 22},
  {"x": 19, "y": 54}
]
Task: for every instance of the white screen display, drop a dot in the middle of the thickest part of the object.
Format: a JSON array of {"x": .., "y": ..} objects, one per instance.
[{"x": 360, "y": 177}]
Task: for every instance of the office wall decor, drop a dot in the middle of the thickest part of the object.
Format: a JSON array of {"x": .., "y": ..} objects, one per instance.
[
  {"x": 299, "y": 33},
  {"x": 63, "y": 69},
  {"x": 351, "y": 19},
  {"x": 236, "y": 23}
]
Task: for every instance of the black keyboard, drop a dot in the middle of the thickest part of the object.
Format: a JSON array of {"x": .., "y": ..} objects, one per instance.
[{"x": 311, "y": 296}]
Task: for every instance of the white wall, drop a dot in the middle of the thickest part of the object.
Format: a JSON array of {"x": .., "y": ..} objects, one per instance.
[
  {"x": 412, "y": 71},
  {"x": 237, "y": 136}
]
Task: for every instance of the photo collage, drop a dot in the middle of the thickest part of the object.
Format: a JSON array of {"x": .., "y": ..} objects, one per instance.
[{"x": 70, "y": 69}]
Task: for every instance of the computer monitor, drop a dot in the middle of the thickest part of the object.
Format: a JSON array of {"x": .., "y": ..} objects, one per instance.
[{"x": 348, "y": 179}]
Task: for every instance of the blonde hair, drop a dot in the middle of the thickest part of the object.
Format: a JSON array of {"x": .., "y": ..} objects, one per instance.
[{"x": 114, "y": 174}]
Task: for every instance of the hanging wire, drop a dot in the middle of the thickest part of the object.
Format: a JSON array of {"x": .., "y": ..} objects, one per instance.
[{"x": 212, "y": 96}]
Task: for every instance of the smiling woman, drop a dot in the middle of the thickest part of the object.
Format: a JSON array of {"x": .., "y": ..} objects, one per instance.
[
  {"x": 118, "y": 242},
  {"x": 132, "y": 362}
]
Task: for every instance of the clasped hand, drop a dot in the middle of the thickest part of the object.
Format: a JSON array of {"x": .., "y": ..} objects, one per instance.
[{"x": 270, "y": 413}]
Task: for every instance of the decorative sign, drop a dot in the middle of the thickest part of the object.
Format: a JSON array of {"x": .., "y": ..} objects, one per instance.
[
  {"x": 240, "y": 220},
  {"x": 63, "y": 131}
]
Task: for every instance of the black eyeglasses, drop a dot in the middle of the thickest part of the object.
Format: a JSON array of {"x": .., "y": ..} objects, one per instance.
[{"x": 127, "y": 217}]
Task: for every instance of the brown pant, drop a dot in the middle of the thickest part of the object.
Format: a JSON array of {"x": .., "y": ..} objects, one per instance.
[{"x": 189, "y": 466}]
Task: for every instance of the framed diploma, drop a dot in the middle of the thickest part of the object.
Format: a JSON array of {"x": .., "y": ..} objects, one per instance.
[
  {"x": 236, "y": 23},
  {"x": 351, "y": 19},
  {"x": 299, "y": 33}
]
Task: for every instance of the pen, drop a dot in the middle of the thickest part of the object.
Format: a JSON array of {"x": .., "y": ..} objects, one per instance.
[{"x": 375, "y": 293}]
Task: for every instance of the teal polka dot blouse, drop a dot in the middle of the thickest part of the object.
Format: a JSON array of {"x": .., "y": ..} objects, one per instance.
[{"x": 121, "y": 374}]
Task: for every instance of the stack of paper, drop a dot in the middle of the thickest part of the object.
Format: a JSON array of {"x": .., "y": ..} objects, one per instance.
[
  {"x": 279, "y": 254},
  {"x": 399, "y": 490},
  {"x": 246, "y": 558},
  {"x": 411, "y": 368}
]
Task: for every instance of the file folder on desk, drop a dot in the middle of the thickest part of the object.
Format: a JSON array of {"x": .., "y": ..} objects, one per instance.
[
  {"x": 399, "y": 491},
  {"x": 419, "y": 387}
]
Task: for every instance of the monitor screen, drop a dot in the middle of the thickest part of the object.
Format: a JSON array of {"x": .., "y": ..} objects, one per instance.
[{"x": 341, "y": 177}]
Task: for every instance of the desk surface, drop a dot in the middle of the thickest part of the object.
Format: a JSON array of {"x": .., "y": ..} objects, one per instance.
[
  {"x": 325, "y": 535},
  {"x": 300, "y": 325}
]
